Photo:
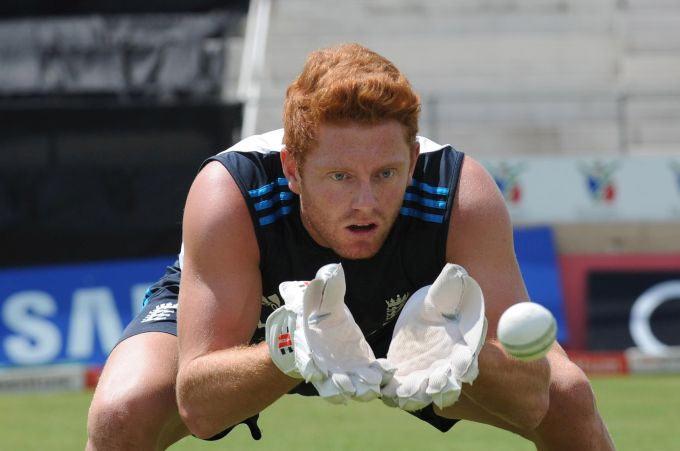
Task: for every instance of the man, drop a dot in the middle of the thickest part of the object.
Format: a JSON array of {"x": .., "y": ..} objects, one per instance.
[{"x": 352, "y": 184}]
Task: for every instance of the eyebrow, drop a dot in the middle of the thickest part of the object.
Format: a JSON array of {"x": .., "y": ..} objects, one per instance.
[{"x": 389, "y": 164}]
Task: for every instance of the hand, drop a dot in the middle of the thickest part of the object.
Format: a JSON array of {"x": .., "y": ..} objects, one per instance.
[
  {"x": 436, "y": 341},
  {"x": 314, "y": 337}
]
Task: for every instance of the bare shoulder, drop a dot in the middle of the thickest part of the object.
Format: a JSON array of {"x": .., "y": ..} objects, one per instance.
[
  {"x": 216, "y": 211},
  {"x": 479, "y": 206},
  {"x": 480, "y": 239}
]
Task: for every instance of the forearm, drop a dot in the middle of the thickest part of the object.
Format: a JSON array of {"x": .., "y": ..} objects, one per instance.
[
  {"x": 517, "y": 392},
  {"x": 222, "y": 388}
]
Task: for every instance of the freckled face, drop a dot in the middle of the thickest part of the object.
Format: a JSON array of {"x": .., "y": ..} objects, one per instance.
[{"x": 352, "y": 185}]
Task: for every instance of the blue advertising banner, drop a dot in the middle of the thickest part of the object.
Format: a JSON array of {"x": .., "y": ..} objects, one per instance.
[
  {"x": 537, "y": 256},
  {"x": 74, "y": 313}
]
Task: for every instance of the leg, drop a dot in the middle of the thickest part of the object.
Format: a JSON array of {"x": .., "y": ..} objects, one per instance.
[
  {"x": 466, "y": 409},
  {"x": 134, "y": 404},
  {"x": 572, "y": 421}
]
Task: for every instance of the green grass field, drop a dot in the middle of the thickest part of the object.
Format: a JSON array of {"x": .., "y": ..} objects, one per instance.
[{"x": 642, "y": 412}]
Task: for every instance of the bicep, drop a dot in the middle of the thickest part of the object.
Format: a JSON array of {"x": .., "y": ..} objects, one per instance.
[
  {"x": 220, "y": 291},
  {"x": 480, "y": 239}
]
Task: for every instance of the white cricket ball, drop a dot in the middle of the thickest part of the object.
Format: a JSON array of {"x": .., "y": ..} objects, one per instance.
[{"x": 527, "y": 331}]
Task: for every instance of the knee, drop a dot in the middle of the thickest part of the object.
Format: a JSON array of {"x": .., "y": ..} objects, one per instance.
[
  {"x": 111, "y": 420},
  {"x": 126, "y": 421},
  {"x": 571, "y": 394},
  {"x": 573, "y": 421}
]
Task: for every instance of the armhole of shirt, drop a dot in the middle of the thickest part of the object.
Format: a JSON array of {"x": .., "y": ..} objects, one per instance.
[{"x": 455, "y": 159}]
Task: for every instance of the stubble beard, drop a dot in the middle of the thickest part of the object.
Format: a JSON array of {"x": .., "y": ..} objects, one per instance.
[{"x": 322, "y": 232}]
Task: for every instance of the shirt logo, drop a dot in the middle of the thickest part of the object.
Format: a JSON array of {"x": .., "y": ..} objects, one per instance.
[
  {"x": 272, "y": 303},
  {"x": 161, "y": 312},
  {"x": 394, "y": 306}
]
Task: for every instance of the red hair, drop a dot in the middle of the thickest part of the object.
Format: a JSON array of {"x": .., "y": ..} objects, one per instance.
[{"x": 347, "y": 83}]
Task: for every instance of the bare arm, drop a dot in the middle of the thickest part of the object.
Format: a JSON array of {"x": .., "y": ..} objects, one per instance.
[
  {"x": 480, "y": 239},
  {"x": 221, "y": 380}
]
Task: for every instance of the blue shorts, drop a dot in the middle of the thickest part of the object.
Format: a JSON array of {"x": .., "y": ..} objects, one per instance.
[
  {"x": 159, "y": 308},
  {"x": 159, "y": 314}
]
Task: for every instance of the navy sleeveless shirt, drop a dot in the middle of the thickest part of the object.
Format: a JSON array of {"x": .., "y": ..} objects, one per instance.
[{"x": 377, "y": 288}]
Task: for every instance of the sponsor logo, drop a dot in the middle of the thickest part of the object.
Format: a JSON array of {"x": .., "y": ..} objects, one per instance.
[
  {"x": 599, "y": 178},
  {"x": 285, "y": 342},
  {"x": 161, "y": 312},
  {"x": 641, "y": 314},
  {"x": 506, "y": 176},
  {"x": 394, "y": 306}
]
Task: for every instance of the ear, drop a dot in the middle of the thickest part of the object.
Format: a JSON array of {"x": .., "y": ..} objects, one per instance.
[
  {"x": 290, "y": 170},
  {"x": 414, "y": 152}
]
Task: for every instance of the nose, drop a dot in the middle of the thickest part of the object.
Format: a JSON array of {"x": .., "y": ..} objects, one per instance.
[{"x": 365, "y": 198}]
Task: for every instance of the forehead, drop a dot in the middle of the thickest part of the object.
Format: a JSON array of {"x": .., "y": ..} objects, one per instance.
[{"x": 360, "y": 144}]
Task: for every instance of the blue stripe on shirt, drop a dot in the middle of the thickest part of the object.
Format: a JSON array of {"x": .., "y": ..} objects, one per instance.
[
  {"x": 429, "y": 217},
  {"x": 266, "y": 220},
  {"x": 441, "y": 204},
  {"x": 268, "y": 203},
  {"x": 268, "y": 188},
  {"x": 439, "y": 190}
]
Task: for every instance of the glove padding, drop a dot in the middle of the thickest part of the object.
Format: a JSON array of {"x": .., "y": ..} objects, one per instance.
[
  {"x": 436, "y": 341},
  {"x": 314, "y": 337},
  {"x": 279, "y": 332}
]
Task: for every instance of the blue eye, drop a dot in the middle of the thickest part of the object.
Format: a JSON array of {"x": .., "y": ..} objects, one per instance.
[
  {"x": 387, "y": 173},
  {"x": 338, "y": 176}
]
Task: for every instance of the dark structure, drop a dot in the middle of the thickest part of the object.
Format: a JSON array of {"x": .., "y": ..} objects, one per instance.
[{"x": 105, "y": 116}]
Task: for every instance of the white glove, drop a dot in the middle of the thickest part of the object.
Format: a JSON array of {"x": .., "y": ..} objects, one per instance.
[
  {"x": 279, "y": 332},
  {"x": 314, "y": 337},
  {"x": 436, "y": 341}
]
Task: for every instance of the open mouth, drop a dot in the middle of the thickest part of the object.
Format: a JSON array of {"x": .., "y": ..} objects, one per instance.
[{"x": 362, "y": 228}]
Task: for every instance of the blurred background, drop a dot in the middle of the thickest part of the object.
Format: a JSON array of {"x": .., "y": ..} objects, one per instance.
[{"x": 107, "y": 110}]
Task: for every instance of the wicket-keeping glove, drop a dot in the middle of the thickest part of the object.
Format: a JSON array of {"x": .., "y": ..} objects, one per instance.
[
  {"x": 314, "y": 337},
  {"x": 436, "y": 341}
]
